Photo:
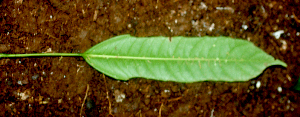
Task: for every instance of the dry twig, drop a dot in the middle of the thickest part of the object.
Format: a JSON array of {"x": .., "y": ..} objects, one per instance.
[
  {"x": 296, "y": 18},
  {"x": 86, "y": 93},
  {"x": 159, "y": 113},
  {"x": 107, "y": 96}
]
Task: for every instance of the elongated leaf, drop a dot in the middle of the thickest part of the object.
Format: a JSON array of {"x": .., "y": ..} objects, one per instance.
[{"x": 179, "y": 59}]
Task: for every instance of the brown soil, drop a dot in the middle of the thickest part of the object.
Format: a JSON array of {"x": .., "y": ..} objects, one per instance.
[{"x": 57, "y": 86}]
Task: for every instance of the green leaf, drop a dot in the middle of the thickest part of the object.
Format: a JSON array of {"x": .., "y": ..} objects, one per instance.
[
  {"x": 297, "y": 86},
  {"x": 179, "y": 59}
]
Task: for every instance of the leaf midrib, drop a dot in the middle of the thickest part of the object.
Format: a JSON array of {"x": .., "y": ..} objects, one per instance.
[{"x": 169, "y": 59}]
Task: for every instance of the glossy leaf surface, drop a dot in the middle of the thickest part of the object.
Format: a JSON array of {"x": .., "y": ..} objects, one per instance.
[{"x": 179, "y": 59}]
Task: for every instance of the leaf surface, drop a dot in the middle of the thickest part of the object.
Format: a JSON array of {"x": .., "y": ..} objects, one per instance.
[{"x": 179, "y": 59}]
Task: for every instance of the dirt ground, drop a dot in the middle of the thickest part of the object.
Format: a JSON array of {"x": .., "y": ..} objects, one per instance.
[{"x": 59, "y": 86}]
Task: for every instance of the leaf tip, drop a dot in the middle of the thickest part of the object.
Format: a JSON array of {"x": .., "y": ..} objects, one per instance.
[
  {"x": 281, "y": 63},
  {"x": 277, "y": 62}
]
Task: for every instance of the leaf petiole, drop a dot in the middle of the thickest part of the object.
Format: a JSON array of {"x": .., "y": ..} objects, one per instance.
[{"x": 40, "y": 54}]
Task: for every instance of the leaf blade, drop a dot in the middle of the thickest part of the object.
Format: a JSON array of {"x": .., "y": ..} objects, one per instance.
[{"x": 179, "y": 59}]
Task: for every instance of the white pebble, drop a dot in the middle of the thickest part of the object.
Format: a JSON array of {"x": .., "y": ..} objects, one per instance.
[
  {"x": 279, "y": 89},
  {"x": 23, "y": 95},
  {"x": 258, "y": 84},
  {"x": 203, "y": 6},
  {"x": 20, "y": 82},
  {"x": 212, "y": 113},
  {"x": 297, "y": 33},
  {"x": 212, "y": 26},
  {"x": 286, "y": 15},
  {"x": 284, "y": 44},
  {"x": 225, "y": 8},
  {"x": 245, "y": 27},
  {"x": 278, "y": 33},
  {"x": 166, "y": 90},
  {"x": 119, "y": 96},
  {"x": 129, "y": 25}
]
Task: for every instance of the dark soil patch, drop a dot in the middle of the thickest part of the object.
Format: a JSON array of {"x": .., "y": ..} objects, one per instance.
[{"x": 56, "y": 86}]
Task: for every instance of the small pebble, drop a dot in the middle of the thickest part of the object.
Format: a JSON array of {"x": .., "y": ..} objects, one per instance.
[
  {"x": 203, "y": 6},
  {"x": 212, "y": 26},
  {"x": 212, "y": 113},
  {"x": 129, "y": 25},
  {"x": 166, "y": 90},
  {"x": 258, "y": 84},
  {"x": 119, "y": 96},
  {"x": 278, "y": 33},
  {"x": 35, "y": 76},
  {"x": 59, "y": 101},
  {"x": 245, "y": 27},
  {"x": 284, "y": 45},
  {"x": 279, "y": 89},
  {"x": 166, "y": 93},
  {"x": 19, "y": 82}
]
